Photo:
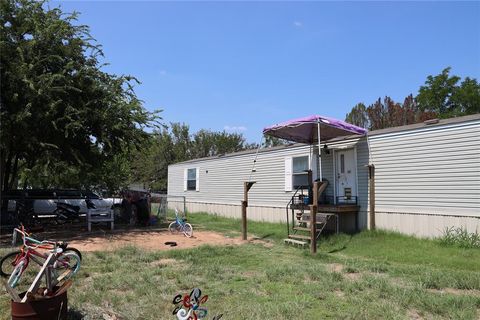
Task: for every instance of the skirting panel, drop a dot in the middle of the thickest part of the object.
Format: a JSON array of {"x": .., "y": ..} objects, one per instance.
[
  {"x": 424, "y": 225},
  {"x": 256, "y": 213}
]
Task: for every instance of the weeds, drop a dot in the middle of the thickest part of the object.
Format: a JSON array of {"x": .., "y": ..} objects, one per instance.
[{"x": 460, "y": 237}]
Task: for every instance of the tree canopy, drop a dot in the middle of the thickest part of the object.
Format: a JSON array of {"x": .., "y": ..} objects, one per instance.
[
  {"x": 176, "y": 144},
  {"x": 442, "y": 96},
  {"x": 448, "y": 97},
  {"x": 62, "y": 117}
]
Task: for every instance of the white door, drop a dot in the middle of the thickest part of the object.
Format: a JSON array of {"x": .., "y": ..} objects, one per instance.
[{"x": 346, "y": 175}]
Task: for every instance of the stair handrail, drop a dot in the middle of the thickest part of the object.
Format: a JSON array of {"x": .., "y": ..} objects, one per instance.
[{"x": 292, "y": 199}]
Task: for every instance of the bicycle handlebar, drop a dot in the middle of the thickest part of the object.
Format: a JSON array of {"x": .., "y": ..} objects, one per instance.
[{"x": 28, "y": 240}]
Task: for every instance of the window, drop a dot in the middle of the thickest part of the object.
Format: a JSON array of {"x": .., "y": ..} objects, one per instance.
[
  {"x": 342, "y": 163},
  {"x": 192, "y": 179},
  {"x": 299, "y": 172}
]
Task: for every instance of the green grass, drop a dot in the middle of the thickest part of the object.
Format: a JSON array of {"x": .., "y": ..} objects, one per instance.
[{"x": 371, "y": 275}]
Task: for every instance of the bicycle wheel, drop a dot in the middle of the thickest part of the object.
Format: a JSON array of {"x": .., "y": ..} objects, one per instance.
[
  {"x": 76, "y": 251},
  {"x": 7, "y": 264},
  {"x": 16, "y": 274},
  {"x": 174, "y": 227},
  {"x": 67, "y": 262},
  {"x": 187, "y": 230}
]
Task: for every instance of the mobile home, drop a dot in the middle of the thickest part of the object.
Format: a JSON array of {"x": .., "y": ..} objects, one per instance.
[{"x": 427, "y": 178}]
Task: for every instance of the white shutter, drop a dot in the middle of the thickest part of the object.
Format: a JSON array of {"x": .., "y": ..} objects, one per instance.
[
  {"x": 197, "y": 183},
  {"x": 288, "y": 173},
  {"x": 185, "y": 172}
]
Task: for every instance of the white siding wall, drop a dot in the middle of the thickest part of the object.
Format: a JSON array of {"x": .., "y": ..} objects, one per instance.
[
  {"x": 221, "y": 188},
  {"x": 428, "y": 179},
  {"x": 221, "y": 179}
]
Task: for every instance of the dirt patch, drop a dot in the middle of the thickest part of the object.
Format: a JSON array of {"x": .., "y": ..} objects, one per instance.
[
  {"x": 262, "y": 242},
  {"x": 339, "y": 293},
  {"x": 163, "y": 262},
  {"x": 457, "y": 292},
  {"x": 336, "y": 267},
  {"x": 340, "y": 268},
  {"x": 353, "y": 276},
  {"x": 250, "y": 274},
  {"x": 413, "y": 314},
  {"x": 153, "y": 240}
]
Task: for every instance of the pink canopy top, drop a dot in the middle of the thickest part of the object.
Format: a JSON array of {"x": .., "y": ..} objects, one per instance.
[{"x": 304, "y": 130}]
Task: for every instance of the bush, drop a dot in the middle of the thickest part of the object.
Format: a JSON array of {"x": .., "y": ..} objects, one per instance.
[{"x": 460, "y": 237}]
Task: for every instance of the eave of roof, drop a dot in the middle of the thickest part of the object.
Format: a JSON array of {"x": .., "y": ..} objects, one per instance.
[{"x": 420, "y": 125}]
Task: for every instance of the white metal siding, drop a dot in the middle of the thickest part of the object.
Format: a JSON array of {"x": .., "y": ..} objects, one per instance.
[
  {"x": 222, "y": 178},
  {"x": 426, "y": 179},
  {"x": 428, "y": 171}
]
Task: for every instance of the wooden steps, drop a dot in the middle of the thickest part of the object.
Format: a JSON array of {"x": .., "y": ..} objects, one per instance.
[
  {"x": 308, "y": 221},
  {"x": 299, "y": 237},
  {"x": 301, "y": 229}
]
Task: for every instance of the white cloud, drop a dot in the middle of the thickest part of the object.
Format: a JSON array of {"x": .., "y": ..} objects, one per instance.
[
  {"x": 298, "y": 24},
  {"x": 235, "y": 128}
]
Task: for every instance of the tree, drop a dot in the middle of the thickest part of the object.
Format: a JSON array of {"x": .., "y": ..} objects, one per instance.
[
  {"x": 59, "y": 112},
  {"x": 270, "y": 141},
  {"x": 443, "y": 95},
  {"x": 387, "y": 113},
  {"x": 467, "y": 97},
  {"x": 176, "y": 144},
  {"x": 358, "y": 116}
]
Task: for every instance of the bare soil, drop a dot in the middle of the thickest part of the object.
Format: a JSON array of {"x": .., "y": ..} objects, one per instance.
[{"x": 151, "y": 240}]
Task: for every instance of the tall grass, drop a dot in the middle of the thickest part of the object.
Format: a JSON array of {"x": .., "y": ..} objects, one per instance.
[{"x": 460, "y": 237}]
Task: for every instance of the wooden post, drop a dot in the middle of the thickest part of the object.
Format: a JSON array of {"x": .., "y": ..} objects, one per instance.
[
  {"x": 371, "y": 178},
  {"x": 244, "y": 220},
  {"x": 246, "y": 187},
  {"x": 36, "y": 282},
  {"x": 313, "y": 218}
]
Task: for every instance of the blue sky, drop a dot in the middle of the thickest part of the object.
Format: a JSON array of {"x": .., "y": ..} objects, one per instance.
[{"x": 246, "y": 65}]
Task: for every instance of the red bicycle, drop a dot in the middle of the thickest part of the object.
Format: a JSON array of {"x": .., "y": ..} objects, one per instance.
[{"x": 13, "y": 265}]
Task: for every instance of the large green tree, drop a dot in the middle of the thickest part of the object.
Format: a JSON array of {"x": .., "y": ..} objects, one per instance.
[
  {"x": 442, "y": 96},
  {"x": 63, "y": 119},
  {"x": 448, "y": 96}
]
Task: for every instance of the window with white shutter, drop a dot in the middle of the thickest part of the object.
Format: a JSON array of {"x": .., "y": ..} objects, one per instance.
[
  {"x": 197, "y": 176},
  {"x": 288, "y": 173}
]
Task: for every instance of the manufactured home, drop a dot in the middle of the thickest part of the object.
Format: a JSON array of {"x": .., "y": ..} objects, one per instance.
[{"x": 427, "y": 178}]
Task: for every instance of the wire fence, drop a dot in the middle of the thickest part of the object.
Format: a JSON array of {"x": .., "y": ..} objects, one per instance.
[{"x": 164, "y": 205}]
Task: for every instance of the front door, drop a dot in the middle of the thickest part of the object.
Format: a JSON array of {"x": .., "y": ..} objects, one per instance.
[{"x": 346, "y": 176}]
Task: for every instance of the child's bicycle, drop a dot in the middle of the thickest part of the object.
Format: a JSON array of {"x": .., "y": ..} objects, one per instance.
[
  {"x": 179, "y": 225},
  {"x": 14, "y": 264}
]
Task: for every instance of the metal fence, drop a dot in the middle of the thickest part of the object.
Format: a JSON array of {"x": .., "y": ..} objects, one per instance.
[{"x": 163, "y": 206}]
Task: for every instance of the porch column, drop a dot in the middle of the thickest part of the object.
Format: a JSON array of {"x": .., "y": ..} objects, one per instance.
[{"x": 319, "y": 153}]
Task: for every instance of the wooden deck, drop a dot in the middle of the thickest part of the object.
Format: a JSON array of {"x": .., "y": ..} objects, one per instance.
[{"x": 329, "y": 208}]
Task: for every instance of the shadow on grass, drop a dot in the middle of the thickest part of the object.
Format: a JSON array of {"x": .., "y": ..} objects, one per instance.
[
  {"x": 266, "y": 236},
  {"x": 74, "y": 314},
  {"x": 338, "y": 250},
  {"x": 339, "y": 243}
]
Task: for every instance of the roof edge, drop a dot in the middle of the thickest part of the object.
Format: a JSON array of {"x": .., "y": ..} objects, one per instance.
[{"x": 414, "y": 126}]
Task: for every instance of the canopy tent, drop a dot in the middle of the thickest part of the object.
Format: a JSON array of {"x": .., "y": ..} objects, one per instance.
[{"x": 313, "y": 129}]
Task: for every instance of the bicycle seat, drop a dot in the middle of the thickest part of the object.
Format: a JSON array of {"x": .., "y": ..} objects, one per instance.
[
  {"x": 62, "y": 245},
  {"x": 57, "y": 250}
]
